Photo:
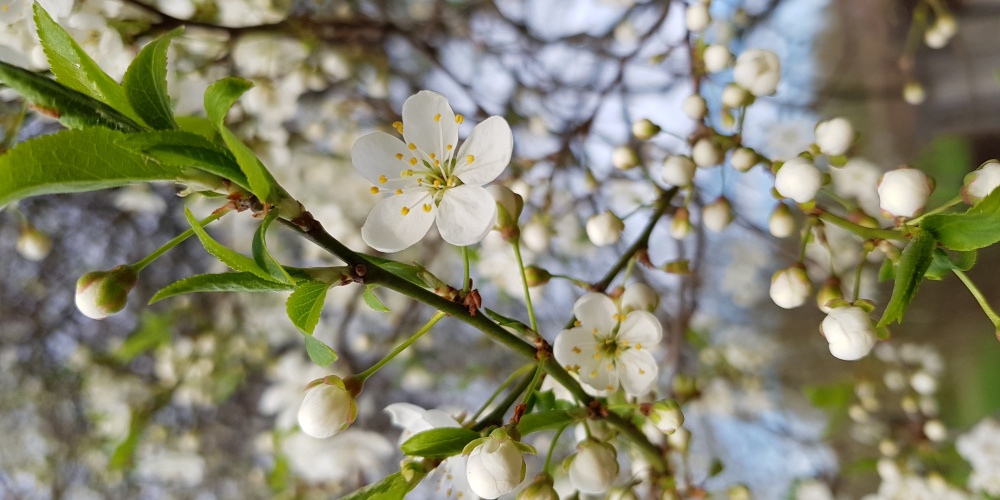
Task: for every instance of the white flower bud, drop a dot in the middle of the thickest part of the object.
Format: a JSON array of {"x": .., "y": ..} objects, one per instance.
[
  {"x": 509, "y": 205},
  {"x": 791, "y": 287},
  {"x": 717, "y": 58},
  {"x": 717, "y": 215},
  {"x": 946, "y": 25},
  {"x": 829, "y": 291},
  {"x": 743, "y": 159},
  {"x": 624, "y": 158},
  {"x": 734, "y": 96},
  {"x": 981, "y": 182},
  {"x": 536, "y": 236},
  {"x": 706, "y": 153},
  {"x": 33, "y": 244},
  {"x": 903, "y": 192},
  {"x": 666, "y": 415},
  {"x": 697, "y": 17},
  {"x": 605, "y": 228},
  {"x": 328, "y": 408},
  {"x": 798, "y": 179},
  {"x": 695, "y": 107},
  {"x": 496, "y": 466},
  {"x": 913, "y": 93},
  {"x": 782, "y": 223},
  {"x": 542, "y": 488},
  {"x": 680, "y": 226},
  {"x": 622, "y": 494},
  {"x": 639, "y": 296},
  {"x": 849, "y": 331},
  {"x": 924, "y": 383},
  {"x": 941, "y": 32},
  {"x": 100, "y": 294},
  {"x": 935, "y": 430},
  {"x": 758, "y": 71},
  {"x": 680, "y": 439},
  {"x": 834, "y": 136},
  {"x": 644, "y": 129},
  {"x": 594, "y": 467},
  {"x": 678, "y": 170}
]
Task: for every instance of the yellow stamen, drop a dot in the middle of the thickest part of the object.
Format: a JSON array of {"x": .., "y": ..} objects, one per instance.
[
  {"x": 427, "y": 207},
  {"x": 597, "y": 355},
  {"x": 577, "y": 350},
  {"x": 404, "y": 211},
  {"x": 373, "y": 190},
  {"x": 431, "y": 155},
  {"x": 437, "y": 163},
  {"x": 459, "y": 118},
  {"x": 437, "y": 183},
  {"x": 593, "y": 374},
  {"x": 641, "y": 371},
  {"x": 413, "y": 161},
  {"x": 399, "y": 156},
  {"x": 470, "y": 159},
  {"x": 437, "y": 117},
  {"x": 610, "y": 387},
  {"x": 448, "y": 147},
  {"x": 412, "y": 146},
  {"x": 382, "y": 179},
  {"x": 638, "y": 346},
  {"x": 398, "y": 126},
  {"x": 610, "y": 366},
  {"x": 399, "y": 191}
]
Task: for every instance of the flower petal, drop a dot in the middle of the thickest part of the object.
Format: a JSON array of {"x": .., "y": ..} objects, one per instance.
[
  {"x": 596, "y": 312},
  {"x": 574, "y": 347},
  {"x": 388, "y": 230},
  {"x": 640, "y": 328},
  {"x": 490, "y": 145},
  {"x": 466, "y": 214},
  {"x": 378, "y": 154},
  {"x": 637, "y": 371},
  {"x": 429, "y": 122}
]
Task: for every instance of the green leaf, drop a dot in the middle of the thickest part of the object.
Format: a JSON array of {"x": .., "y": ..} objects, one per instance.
[
  {"x": 393, "y": 487},
  {"x": 261, "y": 255},
  {"x": 72, "y": 161},
  {"x": 545, "y": 420},
  {"x": 154, "y": 330},
  {"x": 73, "y": 109},
  {"x": 409, "y": 272},
  {"x": 145, "y": 83},
  {"x": 887, "y": 271},
  {"x": 198, "y": 125},
  {"x": 979, "y": 227},
  {"x": 235, "y": 260},
  {"x": 834, "y": 397},
  {"x": 502, "y": 320},
  {"x": 944, "y": 262},
  {"x": 225, "y": 282},
  {"x": 305, "y": 305},
  {"x": 913, "y": 263},
  {"x": 372, "y": 300},
  {"x": 320, "y": 354},
  {"x": 442, "y": 442},
  {"x": 219, "y": 97},
  {"x": 187, "y": 149},
  {"x": 75, "y": 69}
]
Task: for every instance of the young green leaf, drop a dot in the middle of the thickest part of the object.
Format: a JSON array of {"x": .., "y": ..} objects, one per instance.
[
  {"x": 442, "y": 442},
  {"x": 235, "y": 260},
  {"x": 145, "y": 83},
  {"x": 913, "y": 263},
  {"x": 305, "y": 305},
  {"x": 979, "y": 227},
  {"x": 502, "y": 320},
  {"x": 75, "y": 69},
  {"x": 226, "y": 282},
  {"x": 261, "y": 255},
  {"x": 221, "y": 95},
  {"x": 887, "y": 271},
  {"x": 73, "y": 109},
  {"x": 409, "y": 272},
  {"x": 945, "y": 261},
  {"x": 72, "y": 161},
  {"x": 320, "y": 354},
  {"x": 187, "y": 149},
  {"x": 393, "y": 487},
  {"x": 372, "y": 300},
  {"x": 545, "y": 420}
]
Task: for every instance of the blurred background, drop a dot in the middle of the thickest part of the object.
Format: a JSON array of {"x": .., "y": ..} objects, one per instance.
[{"x": 196, "y": 397}]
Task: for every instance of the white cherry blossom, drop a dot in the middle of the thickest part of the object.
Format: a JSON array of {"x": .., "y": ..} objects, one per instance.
[
  {"x": 607, "y": 349},
  {"x": 429, "y": 178}
]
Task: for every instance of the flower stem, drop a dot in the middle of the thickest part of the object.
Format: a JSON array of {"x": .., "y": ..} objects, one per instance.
[
  {"x": 138, "y": 266},
  {"x": 979, "y": 298},
  {"x": 857, "y": 273},
  {"x": 537, "y": 379},
  {"x": 952, "y": 202},
  {"x": 466, "y": 284},
  {"x": 401, "y": 347},
  {"x": 520, "y": 372},
  {"x": 862, "y": 231},
  {"x": 524, "y": 284},
  {"x": 552, "y": 448}
]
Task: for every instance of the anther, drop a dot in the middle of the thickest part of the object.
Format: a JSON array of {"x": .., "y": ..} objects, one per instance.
[
  {"x": 382, "y": 179},
  {"x": 437, "y": 117},
  {"x": 413, "y": 161},
  {"x": 399, "y": 191},
  {"x": 470, "y": 159},
  {"x": 412, "y": 146},
  {"x": 459, "y": 118},
  {"x": 404, "y": 210},
  {"x": 399, "y": 156},
  {"x": 427, "y": 207},
  {"x": 373, "y": 190}
]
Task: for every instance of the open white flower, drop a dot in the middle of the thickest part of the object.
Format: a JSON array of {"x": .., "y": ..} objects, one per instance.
[
  {"x": 414, "y": 419},
  {"x": 428, "y": 178},
  {"x": 607, "y": 348}
]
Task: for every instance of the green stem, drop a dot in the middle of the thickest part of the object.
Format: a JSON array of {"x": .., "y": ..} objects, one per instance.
[
  {"x": 640, "y": 243},
  {"x": 537, "y": 379},
  {"x": 138, "y": 266},
  {"x": 524, "y": 284},
  {"x": 552, "y": 448},
  {"x": 864, "y": 232},
  {"x": 401, "y": 347},
  {"x": 951, "y": 203},
  {"x": 520, "y": 372},
  {"x": 466, "y": 284},
  {"x": 495, "y": 417},
  {"x": 805, "y": 239},
  {"x": 857, "y": 273},
  {"x": 979, "y": 298}
]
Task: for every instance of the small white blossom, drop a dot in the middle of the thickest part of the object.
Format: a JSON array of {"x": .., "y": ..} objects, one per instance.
[
  {"x": 697, "y": 18},
  {"x": 743, "y": 159},
  {"x": 605, "y": 228},
  {"x": 624, "y": 158},
  {"x": 717, "y": 58},
  {"x": 536, "y": 236},
  {"x": 495, "y": 466},
  {"x": 781, "y": 224},
  {"x": 666, "y": 416},
  {"x": 12, "y": 11},
  {"x": 849, "y": 331},
  {"x": 981, "y": 448},
  {"x": 935, "y": 430},
  {"x": 758, "y": 71},
  {"x": 717, "y": 215},
  {"x": 644, "y": 129},
  {"x": 734, "y": 96},
  {"x": 100, "y": 294},
  {"x": 834, "y": 136},
  {"x": 327, "y": 409},
  {"x": 903, "y": 192},
  {"x": 799, "y": 180},
  {"x": 607, "y": 348},
  {"x": 428, "y": 178},
  {"x": 594, "y": 467},
  {"x": 914, "y": 93},
  {"x": 790, "y": 287},
  {"x": 981, "y": 182},
  {"x": 33, "y": 244},
  {"x": 639, "y": 296},
  {"x": 414, "y": 419},
  {"x": 678, "y": 170},
  {"x": 706, "y": 153},
  {"x": 680, "y": 225},
  {"x": 695, "y": 107}
]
